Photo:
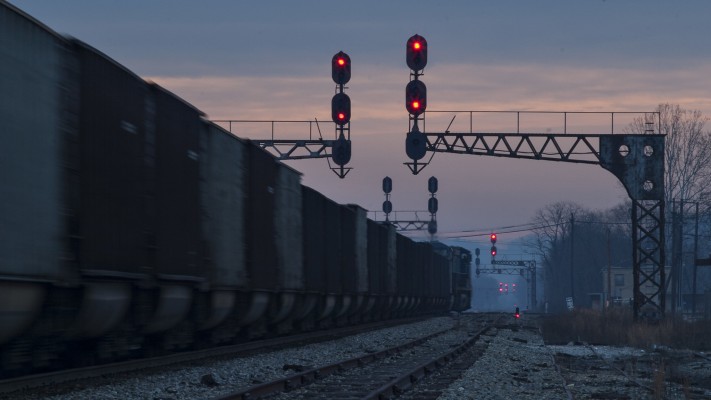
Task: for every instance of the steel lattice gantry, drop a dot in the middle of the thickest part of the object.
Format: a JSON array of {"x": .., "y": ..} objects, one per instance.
[
  {"x": 637, "y": 160},
  {"x": 525, "y": 268},
  {"x": 338, "y": 149}
]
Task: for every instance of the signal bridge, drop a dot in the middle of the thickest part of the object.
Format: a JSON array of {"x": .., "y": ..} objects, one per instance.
[
  {"x": 635, "y": 158},
  {"x": 338, "y": 150}
]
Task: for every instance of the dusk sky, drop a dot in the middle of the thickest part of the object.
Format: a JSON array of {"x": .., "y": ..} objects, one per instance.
[{"x": 270, "y": 60}]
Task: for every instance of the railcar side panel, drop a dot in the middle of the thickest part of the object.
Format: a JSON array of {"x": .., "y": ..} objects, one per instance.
[
  {"x": 178, "y": 234},
  {"x": 348, "y": 254},
  {"x": 288, "y": 228},
  {"x": 314, "y": 230},
  {"x": 360, "y": 245},
  {"x": 377, "y": 257},
  {"x": 30, "y": 166},
  {"x": 391, "y": 255},
  {"x": 332, "y": 247},
  {"x": 223, "y": 178},
  {"x": 262, "y": 251},
  {"x": 117, "y": 164},
  {"x": 405, "y": 257}
]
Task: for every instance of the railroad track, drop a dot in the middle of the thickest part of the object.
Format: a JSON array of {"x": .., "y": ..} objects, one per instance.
[
  {"x": 386, "y": 373},
  {"x": 34, "y": 381}
]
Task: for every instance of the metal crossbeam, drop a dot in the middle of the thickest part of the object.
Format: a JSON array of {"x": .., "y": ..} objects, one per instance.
[
  {"x": 410, "y": 225},
  {"x": 297, "y": 149},
  {"x": 529, "y": 267},
  {"x": 580, "y": 148},
  {"x": 338, "y": 150},
  {"x": 500, "y": 271}
]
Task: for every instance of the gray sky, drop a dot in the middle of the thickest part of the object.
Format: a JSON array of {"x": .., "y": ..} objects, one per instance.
[{"x": 271, "y": 60}]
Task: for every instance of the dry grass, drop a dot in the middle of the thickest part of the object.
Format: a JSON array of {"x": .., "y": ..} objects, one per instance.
[
  {"x": 615, "y": 327},
  {"x": 659, "y": 382}
]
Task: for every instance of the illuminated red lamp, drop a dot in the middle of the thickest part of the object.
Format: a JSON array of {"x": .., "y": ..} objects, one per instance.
[
  {"x": 416, "y": 97},
  {"x": 341, "y": 109},
  {"x": 341, "y": 68},
  {"x": 416, "y": 53}
]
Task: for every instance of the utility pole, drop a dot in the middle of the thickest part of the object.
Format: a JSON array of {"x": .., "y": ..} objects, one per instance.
[
  {"x": 676, "y": 253},
  {"x": 572, "y": 256},
  {"x": 680, "y": 264},
  {"x": 696, "y": 255},
  {"x": 609, "y": 270}
]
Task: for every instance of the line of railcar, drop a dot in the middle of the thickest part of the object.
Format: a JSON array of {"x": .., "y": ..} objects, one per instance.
[{"x": 130, "y": 224}]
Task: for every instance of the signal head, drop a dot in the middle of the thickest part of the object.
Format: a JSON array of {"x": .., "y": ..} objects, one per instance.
[
  {"x": 341, "y": 109},
  {"x": 416, "y": 53},
  {"x": 493, "y": 251},
  {"x": 341, "y": 152},
  {"x": 492, "y": 237},
  {"x": 416, "y": 97},
  {"x": 432, "y": 184},
  {"x": 432, "y": 227},
  {"x": 341, "y": 68},
  {"x": 387, "y": 184}
]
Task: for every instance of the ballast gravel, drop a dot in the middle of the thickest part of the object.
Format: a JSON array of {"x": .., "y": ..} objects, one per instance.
[
  {"x": 515, "y": 364},
  {"x": 212, "y": 379}
]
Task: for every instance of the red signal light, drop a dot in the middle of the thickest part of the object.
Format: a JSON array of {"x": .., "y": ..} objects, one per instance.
[
  {"x": 416, "y": 53},
  {"x": 493, "y": 238},
  {"x": 341, "y": 109},
  {"x": 341, "y": 68},
  {"x": 416, "y": 97}
]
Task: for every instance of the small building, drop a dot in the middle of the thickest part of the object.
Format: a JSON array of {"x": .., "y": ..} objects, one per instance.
[{"x": 620, "y": 285}]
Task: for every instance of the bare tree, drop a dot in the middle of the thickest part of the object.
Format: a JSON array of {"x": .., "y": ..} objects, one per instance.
[
  {"x": 553, "y": 228},
  {"x": 601, "y": 238},
  {"x": 687, "y": 152}
]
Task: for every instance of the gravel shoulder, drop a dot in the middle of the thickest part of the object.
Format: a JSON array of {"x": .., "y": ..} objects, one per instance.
[
  {"x": 518, "y": 365},
  {"x": 515, "y": 365}
]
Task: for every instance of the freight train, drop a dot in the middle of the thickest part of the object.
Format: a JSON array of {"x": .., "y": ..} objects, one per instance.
[{"x": 130, "y": 224}]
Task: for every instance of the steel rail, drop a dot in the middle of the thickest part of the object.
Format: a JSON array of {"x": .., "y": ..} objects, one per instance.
[
  {"x": 300, "y": 379},
  {"x": 407, "y": 379},
  {"x": 75, "y": 374}
]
